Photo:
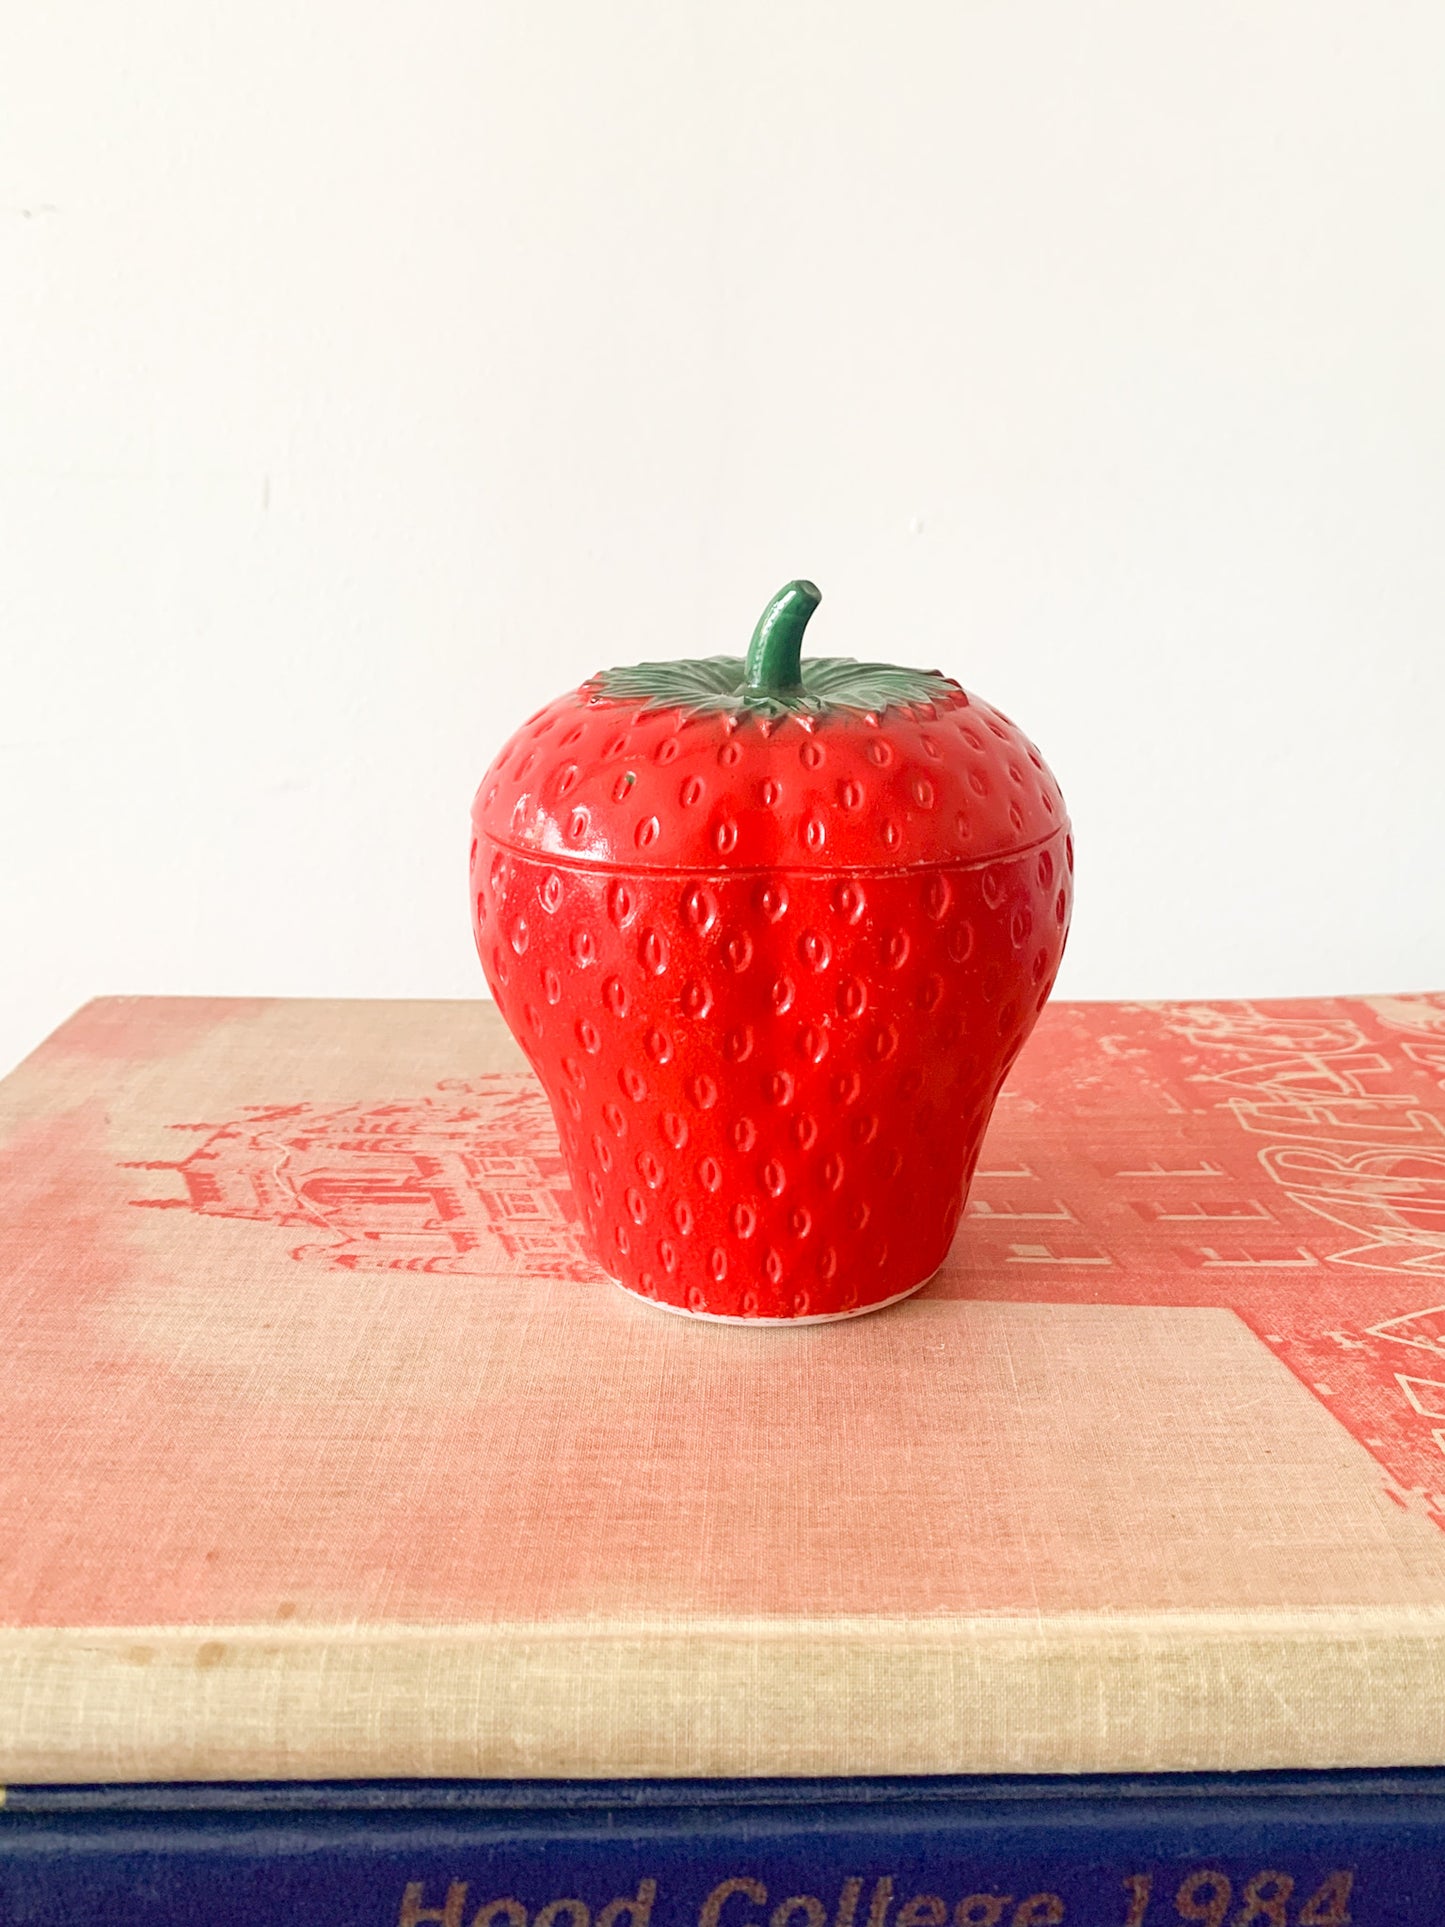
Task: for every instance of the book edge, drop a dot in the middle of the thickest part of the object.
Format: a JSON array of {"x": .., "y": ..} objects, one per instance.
[{"x": 127, "y": 1704}]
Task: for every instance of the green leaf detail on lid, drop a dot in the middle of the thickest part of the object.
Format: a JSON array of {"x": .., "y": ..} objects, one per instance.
[{"x": 773, "y": 681}]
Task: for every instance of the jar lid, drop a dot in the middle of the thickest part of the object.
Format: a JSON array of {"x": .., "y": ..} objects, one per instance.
[{"x": 770, "y": 761}]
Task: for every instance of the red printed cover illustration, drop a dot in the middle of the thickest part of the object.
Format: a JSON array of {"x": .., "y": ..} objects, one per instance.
[
  {"x": 1296, "y": 1177},
  {"x": 450, "y": 1182}
]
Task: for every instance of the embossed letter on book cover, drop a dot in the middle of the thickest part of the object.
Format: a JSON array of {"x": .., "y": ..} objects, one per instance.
[{"x": 325, "y": 1449}]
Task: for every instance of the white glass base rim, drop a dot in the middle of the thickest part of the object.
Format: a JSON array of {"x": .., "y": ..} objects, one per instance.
[{"x": 809, "y": 1318}]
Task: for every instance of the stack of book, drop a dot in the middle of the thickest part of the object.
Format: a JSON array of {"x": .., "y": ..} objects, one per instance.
[{"x": 367, "y": 1557}]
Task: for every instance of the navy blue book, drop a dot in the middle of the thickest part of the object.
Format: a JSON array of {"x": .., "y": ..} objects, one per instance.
[{"x": 1169, "y": 1850}]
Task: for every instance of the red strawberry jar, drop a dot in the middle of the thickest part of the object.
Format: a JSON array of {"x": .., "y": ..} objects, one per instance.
[{"x": 771, "y": 931}]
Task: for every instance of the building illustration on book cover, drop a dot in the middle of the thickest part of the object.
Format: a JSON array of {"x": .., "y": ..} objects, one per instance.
[
  {"x": 468, "y": 1181},
  {"x": 1298, "y": 1180}
]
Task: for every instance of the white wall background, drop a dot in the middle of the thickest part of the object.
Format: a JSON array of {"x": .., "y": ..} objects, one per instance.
[{"x": 372, "y": 372}]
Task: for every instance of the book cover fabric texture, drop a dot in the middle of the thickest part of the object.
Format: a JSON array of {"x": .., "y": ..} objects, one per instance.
[{"x": 326, "y": 1452}]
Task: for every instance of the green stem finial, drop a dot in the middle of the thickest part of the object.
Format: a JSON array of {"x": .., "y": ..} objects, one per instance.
[{"x": 776, "y": 650}]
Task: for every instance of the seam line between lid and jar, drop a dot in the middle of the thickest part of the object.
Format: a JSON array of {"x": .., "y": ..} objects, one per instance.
[{"x": 565, "y": 860}]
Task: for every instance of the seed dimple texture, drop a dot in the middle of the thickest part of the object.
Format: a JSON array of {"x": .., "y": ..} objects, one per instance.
[
  {"x": 850, "y": 901},
  {"x": 615, "y": 997},
  {"x": 815, "y": 950},
  {"x": 883, "y": 1042},
  {"x": 813, "y": 1043},
  {"x": 658, "y": 1043},
  {"x": 771, "y": 898},
  {"x": 737, "y": 950},
  {"x": 697, "y": 997},
  {"x": 810, "y": 1071},
  {"x": 699, "y": 906},
  {"x": 738, "y": 1044}
]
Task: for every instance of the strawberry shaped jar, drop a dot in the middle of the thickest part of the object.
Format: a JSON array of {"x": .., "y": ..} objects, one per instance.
[{"x": 771, "y": 932}]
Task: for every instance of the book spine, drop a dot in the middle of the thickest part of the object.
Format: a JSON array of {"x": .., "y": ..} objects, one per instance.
[{"x": 1336, "y": 1864}]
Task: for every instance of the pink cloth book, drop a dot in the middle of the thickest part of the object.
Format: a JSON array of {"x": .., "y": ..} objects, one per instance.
[{"x": 325, "y": 1450}]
